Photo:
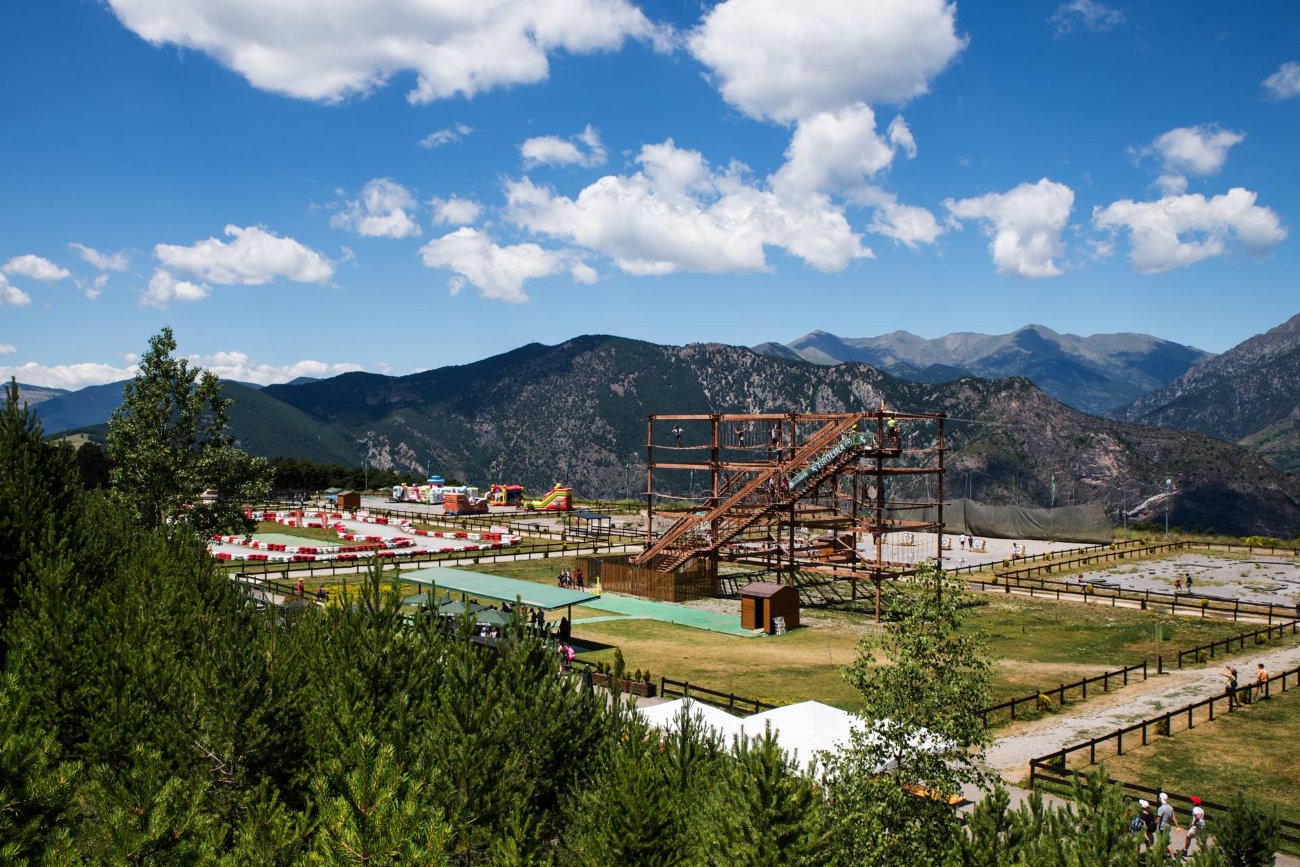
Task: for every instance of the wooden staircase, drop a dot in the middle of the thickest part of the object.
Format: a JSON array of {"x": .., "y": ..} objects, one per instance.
[{"x": 822, "y": 455}]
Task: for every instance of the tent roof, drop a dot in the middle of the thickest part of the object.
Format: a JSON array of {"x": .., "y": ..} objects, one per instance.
[
  {"x": 665, "y": 716},
  {"x": 805, "y": 729},
  {"x": 498, "y": 588}
]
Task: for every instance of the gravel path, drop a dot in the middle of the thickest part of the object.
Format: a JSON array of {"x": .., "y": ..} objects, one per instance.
[{"x": 1010, "y": 755}]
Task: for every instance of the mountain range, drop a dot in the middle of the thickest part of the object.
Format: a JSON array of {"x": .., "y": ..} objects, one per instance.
[
  {"x": 576, "y": 413},
  {"x": 1095, "y": 374},
  {"x": 1249, "y": 394}
]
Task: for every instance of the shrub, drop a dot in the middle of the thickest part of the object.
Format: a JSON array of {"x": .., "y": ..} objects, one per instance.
[
  {"x": 645, "y": 676},
  {"x": 1162, "y": 727},
  {"x": 637, "y": 676},
  {"x": 1260, "y": 638},
  {"x": 1044, "y": 702},
  {"x": 1202, "y": 656}
]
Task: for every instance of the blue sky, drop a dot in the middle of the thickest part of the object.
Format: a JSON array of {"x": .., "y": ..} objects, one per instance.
[{"x": 304, "y": 188}]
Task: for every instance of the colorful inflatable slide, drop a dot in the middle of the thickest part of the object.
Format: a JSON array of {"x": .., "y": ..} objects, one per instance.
[{"x": 557, "y": 499}]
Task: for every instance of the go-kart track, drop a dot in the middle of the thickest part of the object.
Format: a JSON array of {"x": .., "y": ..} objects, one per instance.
[{"x": 361, "y": 536}]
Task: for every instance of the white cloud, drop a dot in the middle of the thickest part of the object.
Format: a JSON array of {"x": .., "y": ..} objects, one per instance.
[
  {"x": 238, "y": 366},
  {"x": 69, "y": 376},
  {"x": 497, "y": 272},
  {"x": 832, "y": 151},
  {"x": 383, "y": 211},
  {"x": 7, "y": 349},
  {"x": 101, "y": 261},
  {"x": 1086, "y": 15},
  {"x": 1285, "y": 83},
  {"x": 1191, "y": 150},
  {"x": 909, "y": 225},
  {"x": 455, "y": 212},
  {"x": 94, "y": 288},
  {"x": 440, "y": 137},
  {"x": 1177, "y": 231},
  {"x": 226, "y": 364},
  {"x": 11, "y": 295},
  {"x": 900, "y": 136},
  {"x": 1025, "y": 224},
  {"x": 774, "y": 59},
  {"x": 327, "y": 50},
  {"x": 584, "y": 149},
  {"x": 36, "y": 268},
  {"x": 164, "y": 288},
  {"x": 678, "y": 214},
  {"x": 254, "y": 257}
]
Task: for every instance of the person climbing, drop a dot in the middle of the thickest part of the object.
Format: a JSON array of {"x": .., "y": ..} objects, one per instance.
[
  {"x": 891, "y": 428},
  {"x": 740, "y": 436}
]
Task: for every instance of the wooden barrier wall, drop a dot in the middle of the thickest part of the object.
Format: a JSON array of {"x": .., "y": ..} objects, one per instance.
[{"x": 696, "y": 580}]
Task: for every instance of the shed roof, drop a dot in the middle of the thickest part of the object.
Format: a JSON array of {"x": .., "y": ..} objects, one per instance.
[
  {"x": 762, "y": 588},
  {"x": 498, "y": 588}
]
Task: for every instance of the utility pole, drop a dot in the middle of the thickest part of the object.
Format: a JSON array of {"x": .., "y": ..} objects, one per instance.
[{"x": 1168, "y": 495}]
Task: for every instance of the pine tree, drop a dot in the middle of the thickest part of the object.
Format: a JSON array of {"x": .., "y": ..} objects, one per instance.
[
  {"x": 1249, "y": 835},
  {"x": 772, "y": 814},
  {"x": 169, "y": 444}
]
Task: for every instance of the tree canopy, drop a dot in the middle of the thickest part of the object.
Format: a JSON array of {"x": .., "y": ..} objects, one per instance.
[{"x": 173, "y": 458}]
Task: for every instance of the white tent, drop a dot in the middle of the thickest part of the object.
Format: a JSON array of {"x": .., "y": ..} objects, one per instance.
[
  {"x": 805, "y": 729},
  {"x": 665, "y": 716}
]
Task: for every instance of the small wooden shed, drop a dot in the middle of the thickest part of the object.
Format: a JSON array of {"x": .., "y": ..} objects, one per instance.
[
  {"x": 348, "y": 500},
  {"x": 762, "y": 603}
]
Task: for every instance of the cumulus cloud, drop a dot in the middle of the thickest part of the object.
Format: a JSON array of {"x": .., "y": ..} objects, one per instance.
[
  {"x": 101, "y": 261},
  {"x": 92, "y": 288},
  {"x": 7, "y": 349},
  {"x": 679, "y": 214},
  {"x": 164, "y": 288},
  {"x": 254, "y": 256},
  {"x": 834, "y": 151},
  {"x": 1285, "y": 83},
  {"x": 1191, "y": 150},
  {"x": 584, "y": 149},
  {"x": 1025, "y": 224},
  {"x": 383, "y": 210},
  {"x": 772, "y": 59},
  {"x": 327, "y": 50},
  {"x": 455, "y": 212},
  {"x": 909, "y": 225},
  {"x": 240, "y": 367},
  {"x": 11, "y": 295},
  {"x": 36, "y": 268},
  {"x": 1085, "y": 15},
  {"x": 498, "y": 272},
  {"x": 900, "y": 136},
  {"x": 1177, "y": 231},
  {"x": 225, "y": 364},
  {"x": 440, "y": 137}
]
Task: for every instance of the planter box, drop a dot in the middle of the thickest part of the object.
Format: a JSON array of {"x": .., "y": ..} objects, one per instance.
[{"x": 636, "y": 687}]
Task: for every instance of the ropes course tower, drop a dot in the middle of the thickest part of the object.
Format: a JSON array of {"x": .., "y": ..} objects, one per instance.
[{"x": 853, "y": 496}]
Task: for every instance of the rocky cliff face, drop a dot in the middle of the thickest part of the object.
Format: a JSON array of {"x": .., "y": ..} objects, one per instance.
[
  {"x": 1250, "y": 393},
  {"x": 576, "y": 413}
]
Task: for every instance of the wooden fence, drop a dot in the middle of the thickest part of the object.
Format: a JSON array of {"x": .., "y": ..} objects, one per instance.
[
  {"x": 727, "y": 701},
  {"x": 1154, "y": 600},
  {"x": 1165, "y": 725},
  {"x": 1063, "y": 691},
  {"x": 1239, "y": 640},
  {"x": 1103, "y": 554}
]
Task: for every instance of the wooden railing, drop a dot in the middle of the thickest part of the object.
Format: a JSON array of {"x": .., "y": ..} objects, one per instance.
[
  {"x": 727, "y": 701},
  {"x": 1239, "y": 640},
  {"x": 1062, "y": 691}
]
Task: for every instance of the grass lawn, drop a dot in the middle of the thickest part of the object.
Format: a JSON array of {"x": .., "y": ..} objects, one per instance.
[
  {"x": 1036, "y": 643},
  {"x": 315, "y": 533},
  {"x": 1254, "y": 749}
]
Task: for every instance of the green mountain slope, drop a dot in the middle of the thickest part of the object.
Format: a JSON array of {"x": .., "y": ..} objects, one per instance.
[{"x": 576, "y": 413}]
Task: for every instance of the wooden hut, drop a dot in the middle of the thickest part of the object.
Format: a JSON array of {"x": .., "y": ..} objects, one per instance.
[
  {"x": 348, "y": 500},
  {"x": 761, "y": 604}
]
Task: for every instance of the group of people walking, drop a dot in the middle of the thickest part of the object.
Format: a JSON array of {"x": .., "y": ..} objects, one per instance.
[
  {"x": 1150, "y": 824},
  {"x": 571, "y": 578}
]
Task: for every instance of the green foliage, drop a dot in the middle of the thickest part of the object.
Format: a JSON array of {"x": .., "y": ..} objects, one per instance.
[
  {"x": 169, "y": 445},
  {"x": 299, "y": 474},
  {"x": 1248, "y": 835},
  {"x": 889, "y": 789}
]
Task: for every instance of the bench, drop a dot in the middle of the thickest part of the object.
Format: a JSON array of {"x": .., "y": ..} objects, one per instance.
[{"x": 923, "y": 792}]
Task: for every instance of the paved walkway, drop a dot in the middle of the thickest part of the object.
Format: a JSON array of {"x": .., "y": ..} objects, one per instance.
[{"x": 669, "y": 612}]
